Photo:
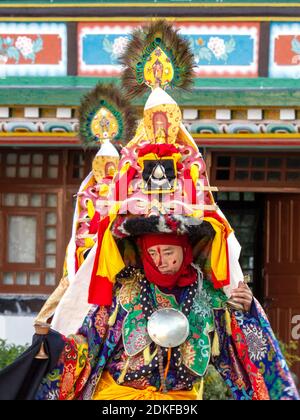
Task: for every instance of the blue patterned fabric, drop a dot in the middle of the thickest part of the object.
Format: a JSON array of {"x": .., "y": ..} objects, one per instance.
[
  {"x": 250, "y": 360},
  {"x": 263, "y": 351}
]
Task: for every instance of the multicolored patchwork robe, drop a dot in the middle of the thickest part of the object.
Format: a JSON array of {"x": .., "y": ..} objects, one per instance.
[{"x": 115, "y": 339}]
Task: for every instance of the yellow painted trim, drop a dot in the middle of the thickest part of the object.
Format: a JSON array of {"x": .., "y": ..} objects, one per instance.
[
  {"x": 235, "y": 19},
  {"x": 143, "y": 19},
  {"x": 252, "y": 136},
  {"x": 152, "y": 5},
  {"x": 196, "y": 136}
]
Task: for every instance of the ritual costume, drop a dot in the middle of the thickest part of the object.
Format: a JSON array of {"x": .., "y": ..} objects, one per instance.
[{"x": 130, "y": 331}]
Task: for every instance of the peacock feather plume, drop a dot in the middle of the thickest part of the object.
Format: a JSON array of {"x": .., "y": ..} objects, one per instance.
[
  {"x": 104, "y": 113},
  {"x": 155, "y": 56}
]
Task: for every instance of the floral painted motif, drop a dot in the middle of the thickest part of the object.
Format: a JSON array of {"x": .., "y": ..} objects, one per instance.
[
  {"x": 14, "y": 47},
  {"x": 216, "y": 47},
  {"x": 33, "y": 49},
  {"x": 284, "y": 57},
  {"x": 115, "y": 47},
  {"x": 220, "y": 49},
  {"x": 295, "y": 46}
]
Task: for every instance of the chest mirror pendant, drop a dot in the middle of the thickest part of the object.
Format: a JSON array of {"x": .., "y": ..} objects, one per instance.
[{"x": 168, "y": 327}]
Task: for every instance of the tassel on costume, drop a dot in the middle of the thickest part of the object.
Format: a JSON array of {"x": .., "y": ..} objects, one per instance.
[
  {"x": 215, "y": 350},
  {"x": 148, "y": 357},
  {"x": 113, "y": 317},
  {"x": 168, "y": 363},
  {"x": 228, "y": 322},
  {"x": 124, "y": 371},
  {"x": 200, "y": 390}
]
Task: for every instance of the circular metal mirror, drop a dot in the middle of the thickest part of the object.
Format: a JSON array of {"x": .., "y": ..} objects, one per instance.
[{"x": 168, "y": 327}]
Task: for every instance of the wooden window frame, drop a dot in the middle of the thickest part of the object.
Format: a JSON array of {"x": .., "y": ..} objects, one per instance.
[
  {"x": 265, "y": 185},
  {"x": 30, "y": 180},
  {"x": 9, "y": 212},
  {"x": 86, "y": 166},
  {"x": 65, "y": 186},
  {"x": 40, "y": 265}
]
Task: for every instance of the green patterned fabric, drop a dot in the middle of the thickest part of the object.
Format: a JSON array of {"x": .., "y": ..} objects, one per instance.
[{"x": 196, "y": 350}]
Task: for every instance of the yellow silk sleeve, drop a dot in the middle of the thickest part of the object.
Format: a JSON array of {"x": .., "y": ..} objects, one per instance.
[{"x": 219, "y": 263}]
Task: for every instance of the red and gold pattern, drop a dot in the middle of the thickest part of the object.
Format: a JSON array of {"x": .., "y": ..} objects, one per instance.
[
  {"x": 260, "y": 391},
  {"x": 77, "y": 368}
]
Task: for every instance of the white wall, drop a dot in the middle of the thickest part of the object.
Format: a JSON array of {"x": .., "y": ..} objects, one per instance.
[{"x": 16, "y": 329}]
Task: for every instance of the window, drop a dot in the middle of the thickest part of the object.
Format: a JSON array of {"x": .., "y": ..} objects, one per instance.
[
  {"x": 31, "y": 237},
  {"x": 244, "y": 211},
  {"x": 28, "y": 166},
  {"x": 37, "y": 189},
  {"x": 21, "y": 239},
  {"x": 263, "y": 170},
  {"x": 80, "y": 164}
]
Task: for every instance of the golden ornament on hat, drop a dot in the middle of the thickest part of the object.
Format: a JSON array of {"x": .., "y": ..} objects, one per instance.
[
  {"x": 104, "y": 124},
  {"x": 163, "y": 122},
  {"x": 158, "y": 70},
  {"x": 104, "y": 166}
]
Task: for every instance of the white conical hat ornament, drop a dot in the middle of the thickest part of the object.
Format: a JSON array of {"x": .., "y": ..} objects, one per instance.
[
  {"x": 159, "y": 97},
  {"x": 108, "y": 149}
]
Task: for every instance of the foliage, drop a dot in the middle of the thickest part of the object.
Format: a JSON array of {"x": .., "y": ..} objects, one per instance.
[
  {"x": 290, "y": 352},
  {"x": 9, "y": 352},
  {"x": 216, "y": 389},
  {"x": 214, "y": 386}
]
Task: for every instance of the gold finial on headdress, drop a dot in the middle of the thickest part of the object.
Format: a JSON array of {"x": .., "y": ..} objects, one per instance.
[
  {"x": 158, "y": 70},
  {"x": 104, "y": 125}
]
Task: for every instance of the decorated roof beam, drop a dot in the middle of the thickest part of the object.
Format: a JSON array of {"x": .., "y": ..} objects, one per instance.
[
  {"x": 164, "y": 8},
  {"x": 137, "y": 3},
  {"x": 229, "y": 142},
  {"x": 68, "y": 91},
  {"x": 224, "y": 49}
]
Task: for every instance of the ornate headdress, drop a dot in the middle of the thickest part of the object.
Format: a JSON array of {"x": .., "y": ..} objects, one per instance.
[{"x": 161, "y": 184}]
